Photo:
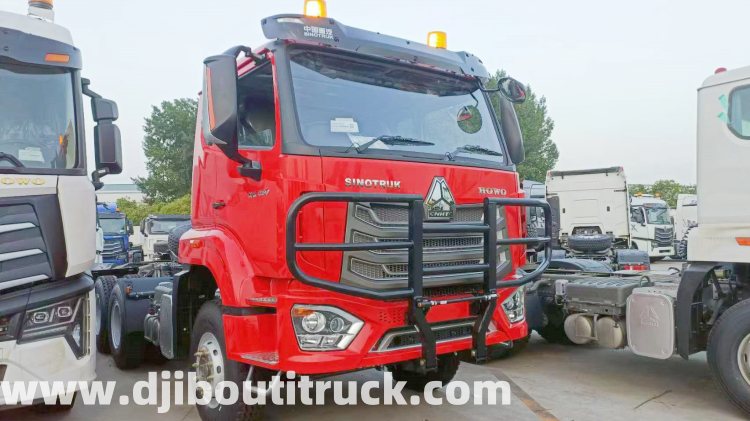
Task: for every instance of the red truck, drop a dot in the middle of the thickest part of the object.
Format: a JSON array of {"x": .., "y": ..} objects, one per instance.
[{"x": 355, "y": 205}]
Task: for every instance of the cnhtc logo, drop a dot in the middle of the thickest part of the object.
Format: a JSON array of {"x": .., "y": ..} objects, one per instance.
[{"x": 440, "y": 204}]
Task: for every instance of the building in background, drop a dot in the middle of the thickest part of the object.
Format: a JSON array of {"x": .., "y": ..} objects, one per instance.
[{"x": 110, "y": 193}]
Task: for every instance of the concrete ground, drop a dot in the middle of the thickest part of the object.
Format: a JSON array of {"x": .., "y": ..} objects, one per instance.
[{"x": 549, "y": 382}]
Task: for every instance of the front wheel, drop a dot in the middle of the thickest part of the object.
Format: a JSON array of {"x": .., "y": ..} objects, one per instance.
[
  {"x": 417, "y": 380},
  {"x": 729, "y": 354},
  {"x": 102, "y": 291},
  {"x": 208, "y": 348}
]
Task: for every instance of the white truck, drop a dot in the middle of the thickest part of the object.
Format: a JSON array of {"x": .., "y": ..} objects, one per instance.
[
  {"x": 706, "y": 307},
  {"x": 651, "y": 227},
  {"x": 593, "y": 209},
  {"x": 47, "y": 203},
  {"x": 155, "y": 231},
  {"x": 685, "y": 218}
]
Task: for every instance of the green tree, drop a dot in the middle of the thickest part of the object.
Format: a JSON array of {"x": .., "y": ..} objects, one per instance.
[
  {"x": 168, "y": 145},
  {"x": 536, "y": 127},
  {"x": 668, "y": 190},
  {"x": 137, "y": 212}
]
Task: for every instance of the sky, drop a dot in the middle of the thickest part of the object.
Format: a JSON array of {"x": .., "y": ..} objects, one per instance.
[{"x": 620, "y": 78}]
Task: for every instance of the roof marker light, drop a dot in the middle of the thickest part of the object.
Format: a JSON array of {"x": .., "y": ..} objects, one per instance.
[
  {"x": 316, "y": 8},
  {"x": 720, "y": 70},
  {"x": 57, "y": 58},
  {"x": 437, "y": 39}
]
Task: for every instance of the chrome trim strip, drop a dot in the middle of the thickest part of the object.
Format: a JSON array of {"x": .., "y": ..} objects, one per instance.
[
  {"x": 19, "y": 254},
  {"x": 388, "y": 338},
  {"x": 23, "y": 281},
  {"x": 16, "y": 227}
]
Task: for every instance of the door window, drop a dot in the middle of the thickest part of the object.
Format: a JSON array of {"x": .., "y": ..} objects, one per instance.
[{"x": 739, "y": 112}]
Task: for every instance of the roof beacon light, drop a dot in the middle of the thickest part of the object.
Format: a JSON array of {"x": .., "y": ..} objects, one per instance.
[
  {"x": 316, "y": 8},
  {"x": 42, "y": 9},
  {"x": 437, "y": 39}
]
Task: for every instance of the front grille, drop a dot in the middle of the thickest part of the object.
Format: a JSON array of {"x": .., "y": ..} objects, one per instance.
[
  {"x": 23, "y": 251},
  {"x": 387, "y": 223},
  {"x": 112, "y": 247},
  {"x": 398, "y": 270},
  {"x": 663, "y": 237},
  {"x": 161, "y": 247}
]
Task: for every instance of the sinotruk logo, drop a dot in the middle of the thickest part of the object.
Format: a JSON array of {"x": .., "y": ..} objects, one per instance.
[{"x": 440, "y": 204}]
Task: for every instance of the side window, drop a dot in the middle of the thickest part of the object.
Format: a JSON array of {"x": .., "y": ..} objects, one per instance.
[
  {"x": 636, "y": 215},
  {"x": 257, "y": 109},
  {"x": 739, "y": 112}
]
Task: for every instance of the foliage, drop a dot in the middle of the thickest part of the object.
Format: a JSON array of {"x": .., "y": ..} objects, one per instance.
[
  {"x": 168, "y": 145},
  {"x": 137, "y": 212},
  {"x": 536, "y": 127},
  {"x": 666, "y": 189}
]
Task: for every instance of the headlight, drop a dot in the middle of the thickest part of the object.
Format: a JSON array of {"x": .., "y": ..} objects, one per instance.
[
  {"x": 66, "y": 318},
  {"x": 514, "y": 306},
  {"x": 324, "y": 328}
]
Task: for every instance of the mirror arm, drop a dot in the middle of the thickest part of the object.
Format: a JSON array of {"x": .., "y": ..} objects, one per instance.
[
  {"x": 96, "y": 178},
  {"x": 85, "y": 83},
  {"x": 235, "y": 52}
]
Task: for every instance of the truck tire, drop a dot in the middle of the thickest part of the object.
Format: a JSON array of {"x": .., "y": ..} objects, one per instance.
[
  {"x": 102, "y": 289},
  {"x": 728, "y": 354},
  {"x": 208, "y": 347},
  {"x": 173, "y": 241},
  {"x": 682, "y": 246},
  {"x": 590, "y": 243},
  {"x": 416, "y": 381},
  {"x": 127, "y": 347},
  {"x": 58, "y": 408},
  {"x": 554, "y": 331}
]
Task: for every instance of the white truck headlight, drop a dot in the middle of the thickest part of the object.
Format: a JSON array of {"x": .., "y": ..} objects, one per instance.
[
  {"x": 324, "y": 328},
  {"x": 66, "y": 318},
  {"x": 514, "y": 306}
]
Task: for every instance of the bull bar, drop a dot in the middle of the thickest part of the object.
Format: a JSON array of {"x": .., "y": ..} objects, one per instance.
[{"x": 419, "y": 305}]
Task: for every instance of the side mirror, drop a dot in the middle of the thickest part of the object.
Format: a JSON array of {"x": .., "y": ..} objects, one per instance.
[
  {"x": 220, "y": 110},
  {"x": 130, "y": 228},
  {"x": 511, "y": 131},
  {"x": 104, "y": 109},
  {"x": 107, "y": 148},
  {"x": 512, "y": 90},
  {"x": 143, "y": 228}
]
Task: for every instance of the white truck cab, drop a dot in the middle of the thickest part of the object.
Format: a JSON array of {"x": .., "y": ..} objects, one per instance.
[
  {"x": 651, "y": 226},
  {"x": 47, "y": 202},
  {"x": 155, "y": 231}
]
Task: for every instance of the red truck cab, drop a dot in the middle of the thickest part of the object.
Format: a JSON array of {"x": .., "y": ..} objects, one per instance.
[{"x": 355, "y": 205}]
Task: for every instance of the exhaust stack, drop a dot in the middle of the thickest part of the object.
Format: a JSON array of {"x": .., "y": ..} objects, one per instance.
[{"x": 42, "y": 9}]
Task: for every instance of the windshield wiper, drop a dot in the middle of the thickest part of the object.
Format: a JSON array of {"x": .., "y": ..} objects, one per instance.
[
  {"x": 472, "y": 149},
  {"x": 12, "y": 159},
  {"x": 390, "y": 140}
]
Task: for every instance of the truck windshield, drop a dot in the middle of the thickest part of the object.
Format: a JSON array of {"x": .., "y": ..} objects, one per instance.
[
  {"x": 344, "y": 101},
  {"x": 37, "y": 117},
  {"x": 658, "y": 215},
  {"x": 113, "y": 226},
  {"x": 164, "y": 226}
]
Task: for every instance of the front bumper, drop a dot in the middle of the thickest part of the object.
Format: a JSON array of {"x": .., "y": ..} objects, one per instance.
[
  {"x": 49, "y": 359},
  {"x": 279, "y": 349}
]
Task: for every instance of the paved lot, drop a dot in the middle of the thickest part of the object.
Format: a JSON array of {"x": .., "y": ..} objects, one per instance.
[{"x": 549, "y": 382}]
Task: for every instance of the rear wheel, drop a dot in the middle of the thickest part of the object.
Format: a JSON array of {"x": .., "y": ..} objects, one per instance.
[
  {"x": 127, "y": 348},
  {"x": 102, "y": 290},
  {"x": 208, "y": 347},
  {"x": 416, "y": 380},
  {"x": 729, "y": 354}
]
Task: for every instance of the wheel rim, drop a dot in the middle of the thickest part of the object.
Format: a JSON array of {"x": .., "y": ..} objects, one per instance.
[
  {"x": 115, "y": 324},
  {"x": 743, "y": 358},
  {"x": 209, "y": 364},
  {"x": 98, "y": 322}
]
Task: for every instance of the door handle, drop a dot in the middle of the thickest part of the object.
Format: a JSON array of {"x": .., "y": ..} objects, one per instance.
[{"x": 218, "y": 205}]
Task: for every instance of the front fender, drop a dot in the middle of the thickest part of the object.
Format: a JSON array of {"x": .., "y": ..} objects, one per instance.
[{"x": 223, "y": 256}]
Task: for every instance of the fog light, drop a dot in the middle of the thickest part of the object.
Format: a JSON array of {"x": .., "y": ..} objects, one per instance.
[
  {"x": 514, "y": 306},
  {"x": 324, "y": 328}
]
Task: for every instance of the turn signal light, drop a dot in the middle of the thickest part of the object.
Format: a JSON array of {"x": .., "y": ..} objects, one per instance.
[
  {"x": 743, "y": 241},
  {"x": 316, "y": 8},
  {"x": 437, "y": 39}
]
